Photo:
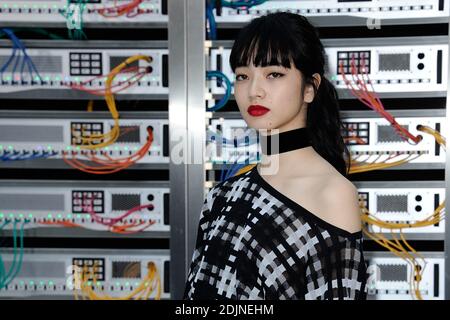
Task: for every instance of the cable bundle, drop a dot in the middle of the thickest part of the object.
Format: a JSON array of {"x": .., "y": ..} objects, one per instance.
[
  {"x": 232, "y": 170},
  {"x": 74, "y": 19},
  {"x": 371, "y": 99},
  {"x": 113, "y": 223},
  {"x": 357, "y": 166},
  {"x": 226, "y": 97},
  {"x": 26, "y": 155},
  {"x": 96, "y": 141},
  {"x": 120, "y": 10},
  {"x": 6, "y": 277},
  {"x": 19, "y": 61},
  {"x": 107, "y": 164},
  {"x": 88, "y": 283},
  {"x": 137, "y": 74},
  {"x": 399, "y": 246},
  {"x": 211, "y": 27}
]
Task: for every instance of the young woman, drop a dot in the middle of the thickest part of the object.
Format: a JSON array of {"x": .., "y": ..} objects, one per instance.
[{"x": 294, "y": 233}]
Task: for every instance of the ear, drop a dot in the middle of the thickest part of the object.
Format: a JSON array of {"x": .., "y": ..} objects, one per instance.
[{"x": 309, "y": 94}]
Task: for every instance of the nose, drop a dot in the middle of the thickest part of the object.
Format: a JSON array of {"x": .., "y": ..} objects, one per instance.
[{"x": 256, "y": 90}]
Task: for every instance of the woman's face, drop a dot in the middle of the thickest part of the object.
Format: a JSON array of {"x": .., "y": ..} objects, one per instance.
[{"x": 276, "y": 88}]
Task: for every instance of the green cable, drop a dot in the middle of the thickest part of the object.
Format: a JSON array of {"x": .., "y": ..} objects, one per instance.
[
  {"x": 19, "y": 266},
  {"x": 2, "y": 272},
  {"x": 16, "y": 266},
  {"x": 78, "y": 33},
  {"x": 2, "y": 265},
  {"x": 3, "y": 283}
]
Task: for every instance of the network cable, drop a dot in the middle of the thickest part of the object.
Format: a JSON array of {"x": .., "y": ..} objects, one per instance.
[
  {"x": 371, "y": 99},
  {"x": 74, "y": 19},
  {"x": 211, "y": 27},
  {"x": 130, "y": 9},
  {"x": 7, "y": 276},
  {"x": 89, "y": 284},
  {"x": 111, "y": 222},
  {"x": 107, "y": 164},
  {"x": 26, "y": 155},
  {"x": 401, "y": 247},
  {"x": 96, "y": 141},
  {"x": 19, "y": 59},
  {"x": 217, "y": 74}
]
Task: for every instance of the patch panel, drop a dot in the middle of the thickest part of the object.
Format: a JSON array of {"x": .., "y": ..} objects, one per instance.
[
  {"x": 47, "y": 204},
  {"x": 44, "y": 11},
  {"x": 389, "y": 68},
  {"x": 381, "y": 9},
  {"x": 406, "y": 203},
  {"x": 390, "y": 278},
  {"x": 38, "y": 138},
  {"x": 367, "y": 138},
  {"x": 53, "y": 272},
  {"x": 64, "y": 69},
  {"x": 372, "y": 138}
]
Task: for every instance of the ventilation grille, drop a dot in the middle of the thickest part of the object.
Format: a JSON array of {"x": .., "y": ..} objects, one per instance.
[
  {"x": 394, "y": 62},
  {"x": 393, "y": 272},
  {"x": 397, "y": 203},
  {"x": 50, "y": 64},
  {"x": 388, "y": 134},
  {"x": 121, "y": 202}
]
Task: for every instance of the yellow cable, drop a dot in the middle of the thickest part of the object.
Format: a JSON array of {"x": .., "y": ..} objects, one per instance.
[
  {"x": 150, "y": 282},
  {"x": 111, "y": 136},
  {"x": 90, "y": 106}
]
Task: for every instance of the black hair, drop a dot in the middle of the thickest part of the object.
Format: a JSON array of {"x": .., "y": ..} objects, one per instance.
[{"x": 279, "y": 39}]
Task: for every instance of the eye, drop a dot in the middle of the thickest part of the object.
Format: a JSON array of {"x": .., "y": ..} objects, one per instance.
[
  {"x": 238, "y": 77},
  {"x": 276, "y": 74}
]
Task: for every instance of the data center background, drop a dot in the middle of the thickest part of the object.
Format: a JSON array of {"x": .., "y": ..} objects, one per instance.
[{"x": 88, "y": 171}]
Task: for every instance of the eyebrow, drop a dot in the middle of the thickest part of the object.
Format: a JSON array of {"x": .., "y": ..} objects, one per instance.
[{"x": 268, "y": 66}]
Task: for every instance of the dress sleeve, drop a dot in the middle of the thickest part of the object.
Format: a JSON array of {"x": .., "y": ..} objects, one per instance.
[
  {"x": 205, "y": 218},
  {"x": 337, "y": 270}
]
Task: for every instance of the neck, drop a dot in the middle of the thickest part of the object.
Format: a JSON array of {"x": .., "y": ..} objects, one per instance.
[
  {"x": 284, "y": 153},
  {"x": 295, "y": 161}
]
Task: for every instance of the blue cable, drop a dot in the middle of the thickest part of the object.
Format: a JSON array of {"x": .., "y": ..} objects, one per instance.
[
  {"x": 212, "y": 35},
  {"x": 229, "y": 171},
  {"x": 226, "y": 97},
  {"x": 17, "y": 44},
  {"x": 239, "y": 4},
  {"x": 233, "y": 170},
  {"x": 16, "y": 156}
]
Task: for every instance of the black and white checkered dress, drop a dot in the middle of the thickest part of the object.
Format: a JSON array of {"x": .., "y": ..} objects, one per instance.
[{"x": 255, "y": 243}]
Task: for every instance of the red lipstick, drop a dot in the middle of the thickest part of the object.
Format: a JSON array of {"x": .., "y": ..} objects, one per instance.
[{"x": 257, "y": 110}]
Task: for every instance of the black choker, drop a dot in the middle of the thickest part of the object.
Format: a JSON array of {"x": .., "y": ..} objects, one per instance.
[{"x": 286, "y": 141}]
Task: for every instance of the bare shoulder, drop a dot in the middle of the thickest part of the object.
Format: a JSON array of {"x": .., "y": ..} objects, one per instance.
[{"x": 340, "y": 203}]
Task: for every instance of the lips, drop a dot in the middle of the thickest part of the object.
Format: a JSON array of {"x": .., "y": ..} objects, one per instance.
[{"x": 257, "y": 110}]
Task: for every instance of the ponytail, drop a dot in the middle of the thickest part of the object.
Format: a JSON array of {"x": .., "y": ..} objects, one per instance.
[{"x": 323, "y": 119}]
